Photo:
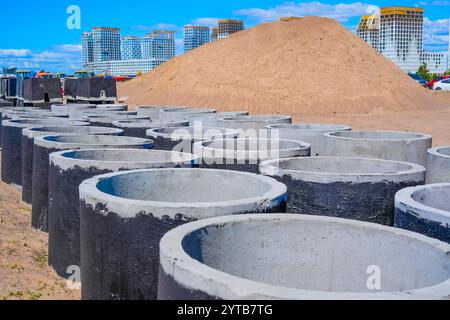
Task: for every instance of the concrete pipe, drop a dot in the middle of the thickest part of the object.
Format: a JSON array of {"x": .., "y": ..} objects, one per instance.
[
  {"x": 68, "y": 169},
  {"x": 425, "y": 209},
  {"x": 438, "y": 165},
  {"x": 28, "y": 135},
  {"x": 124, "y": 215},
  {"x": 11, "y": 164},
  {"x": 211, "y": 119},
  {"x": 257, "y": 122},
  {"x": 171, "y": 114},
  {"x": 108, "y": 119},
  {"x": 297, "y": 257},
  {"x": 112, "y": 107},
  {"x": 138, "y": 128},
  {"x": 65, "y": 109},
  {"x": 45, "y": 145},
  {"x": 389, "y": 145},
  {"x": 153, "y": 111},
  {"x": 13, "y": 115},
  {"x": 247, "y": 154},
  {"x": 4, "y": 115},
  {"x": 352, "y": 188},
  {"x": 310, "y": 133},
  {"x": 183, "y": 138}
]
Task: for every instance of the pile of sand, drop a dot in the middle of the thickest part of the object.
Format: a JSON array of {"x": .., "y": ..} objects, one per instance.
[{"x": 308, "y": 66}]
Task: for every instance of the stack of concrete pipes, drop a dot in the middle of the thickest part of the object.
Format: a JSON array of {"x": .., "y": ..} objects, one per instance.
[{"x": 170, "y": 202}]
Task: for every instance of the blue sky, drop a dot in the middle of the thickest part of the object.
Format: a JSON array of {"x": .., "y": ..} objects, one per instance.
[{"x": 38, "y": 36}]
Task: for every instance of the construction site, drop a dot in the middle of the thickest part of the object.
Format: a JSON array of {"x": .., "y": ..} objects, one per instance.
[{"x": 245, "y": 169}]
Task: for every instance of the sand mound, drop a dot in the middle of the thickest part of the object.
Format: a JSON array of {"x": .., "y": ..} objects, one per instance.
[{"x": 308, "y": 66}]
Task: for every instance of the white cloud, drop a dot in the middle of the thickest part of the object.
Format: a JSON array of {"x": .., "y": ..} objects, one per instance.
[
  {"x": 341, "y": 11},
  {"x": 69, "y": 47},
  {"x": 207, "y": 22},
  {"x": 14, "y": 53},
  {"x": 436, "y": 34},
  {"x": 439, "y": 3}
]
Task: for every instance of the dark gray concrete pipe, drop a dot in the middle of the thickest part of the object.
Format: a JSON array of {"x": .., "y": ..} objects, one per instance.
[
  {"x": 247, "y": 154},
  {"x": 352, "y": 188},
  {"x": 299, "y": 257},
  {"x": 45, "y": 145},
  {"x": 124, "y": 215},
  {"x": 68, "y": 169},
  {"x": 28, "y": 135}
]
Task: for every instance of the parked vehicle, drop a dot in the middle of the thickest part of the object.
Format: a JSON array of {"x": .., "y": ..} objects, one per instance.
[
  {"x": 431, "y": 83},
  {"x": 418, "y": 79},
  {"x": 443, "y": 84}
]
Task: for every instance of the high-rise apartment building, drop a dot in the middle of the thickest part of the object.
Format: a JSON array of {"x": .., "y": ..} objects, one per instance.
[
  {"x": 106, "y": 44},
  {"x": 369, "y": 30},
  {"x": 131, "y": 48},
  {"x": 228, "y": 27},
  {"x": 160, "y": 44},
  {"x": 436, "y": 62},
  {"x": 397, "y": 33},
  {"x": 401, "y": 36},
  {"x": 87, "y": 45},
  {"x": 215, "y": 34},
  {"x": 195, "y": 36}
]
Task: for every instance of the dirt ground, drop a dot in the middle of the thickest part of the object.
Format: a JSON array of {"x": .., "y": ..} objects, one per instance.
[{"x": 24, "y": 273}]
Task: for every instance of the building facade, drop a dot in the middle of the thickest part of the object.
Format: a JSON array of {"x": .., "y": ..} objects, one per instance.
[
  {"x": 215, "y": 34},
  {"x": 436, "y": 62},
  {"x": 124, "y": 67},
  {"x": 369, "y": 30},
  {"x": 401, "y": 36},
  {"x": 195, "y": 36},
  {"x": 228, "y": 27},
  {"x": 160, "y": 44},
  {"x": 131, "y": 48},
  {"x": 87, "y": 45},
  {"x": 106, "y": 44},
  {"x": 397, "y": 33}
]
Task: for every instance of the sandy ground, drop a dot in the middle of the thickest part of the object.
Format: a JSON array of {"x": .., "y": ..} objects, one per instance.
[{"x": 24, "y": 273}]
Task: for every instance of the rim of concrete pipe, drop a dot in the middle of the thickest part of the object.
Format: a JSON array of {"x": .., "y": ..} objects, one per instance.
[
  {"x": 143, "y": 123},
  {"x": 378, "y": 135},
  {"x": 256, "y": 118},
  {"x": 218, "y": 114},
  {"x": 434, "y": 208},
  {"x": 22, "y": 109},
  {"x": 112, "y": 106},
  {"x": 188, "y": 110},
  {"x": 81, "y": 105},
  {"x": 206, "y": 133},
  {"x": 29, "y": 115},
  {"x": 86, "y": 130},
  {"x": 192, "y": 274},
  {"x": 106, "y": 113},
  {"x": 86, "y": 141},
  {"x": 219, "y": 148},
  {"x": 443, "y": 151},
  {"x": 116, "y": 159},
  {"x": 343, "y": 169},
  {"x": 26, "y": 123},
  {"x": 159, "y": 107},
  {"x": 310, "y": 127},
  {"x": 110, "y": 119},
  {"x": 65, "y": 109},
  {"x": 249, "y": 191}
]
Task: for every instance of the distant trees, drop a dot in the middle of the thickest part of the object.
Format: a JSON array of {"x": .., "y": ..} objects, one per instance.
[{"x": 425, "y": 73}]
